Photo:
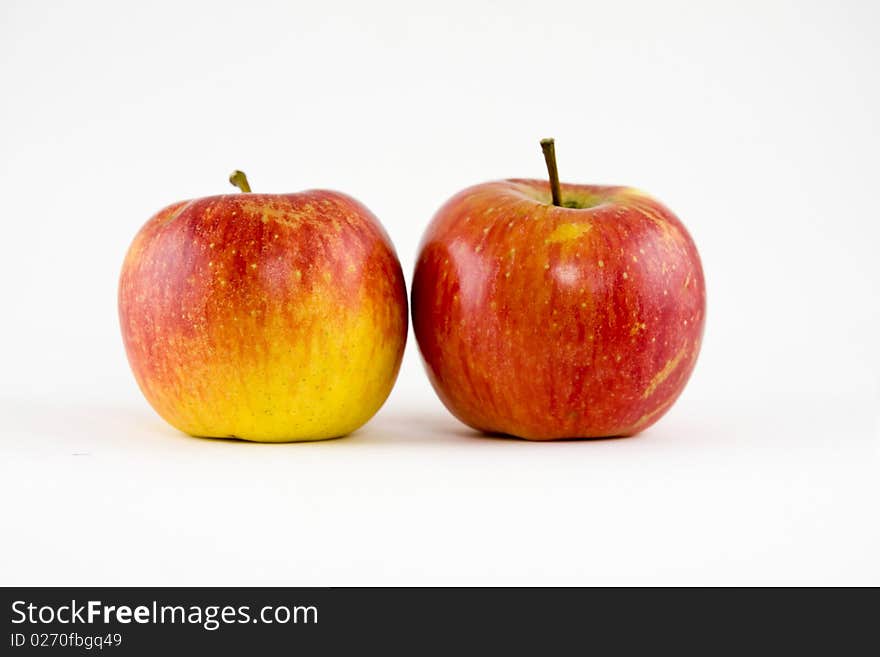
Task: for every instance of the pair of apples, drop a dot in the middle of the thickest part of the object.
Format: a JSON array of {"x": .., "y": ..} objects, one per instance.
[{"x": 542, "y": 310}]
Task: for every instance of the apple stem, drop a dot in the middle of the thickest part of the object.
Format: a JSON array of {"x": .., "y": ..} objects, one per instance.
[
  {"x": 240, "y": 180},
  {"x": 549, "y": 148}
]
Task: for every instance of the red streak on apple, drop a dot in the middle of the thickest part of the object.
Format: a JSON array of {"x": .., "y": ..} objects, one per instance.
[{"x": 549, "y": 322}]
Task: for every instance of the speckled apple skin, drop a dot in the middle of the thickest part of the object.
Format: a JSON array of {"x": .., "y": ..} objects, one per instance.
[
  {"x": 549, "y": 322},
  {"x": 264, "y": 317}
]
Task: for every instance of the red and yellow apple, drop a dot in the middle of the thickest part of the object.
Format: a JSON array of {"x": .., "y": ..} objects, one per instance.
[
  {"x": 266, "y": 317},
  {"x": 578, "y": 319}
]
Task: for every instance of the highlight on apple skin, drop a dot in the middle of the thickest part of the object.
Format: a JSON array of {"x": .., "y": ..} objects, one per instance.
[
  {"x": 265, "y": 317},
  {"x": 577, "y": 320}
]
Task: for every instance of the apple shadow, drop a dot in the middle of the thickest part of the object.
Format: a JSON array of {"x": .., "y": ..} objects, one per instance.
[
  {"x": 442, "y": 428},
  {"x": 237, "y": 440},
  {"x": 89, "y": 428},
  {"x": 495, "y": 435},
  {"x": 411, "y": 428}
]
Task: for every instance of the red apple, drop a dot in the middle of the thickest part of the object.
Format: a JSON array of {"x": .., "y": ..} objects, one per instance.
[
  {"x": 575, "y": 319},
  {"x": 267, "y": 317}
]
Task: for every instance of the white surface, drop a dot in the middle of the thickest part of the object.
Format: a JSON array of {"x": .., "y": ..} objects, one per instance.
[
  {"x": 756, "y": 122},
  {"x": 108, "y": 495}
]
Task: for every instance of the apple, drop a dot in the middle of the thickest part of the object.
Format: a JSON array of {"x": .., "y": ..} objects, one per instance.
[
  {"x": 265, "y": 317},
  {"x": 546, "y": 310}
]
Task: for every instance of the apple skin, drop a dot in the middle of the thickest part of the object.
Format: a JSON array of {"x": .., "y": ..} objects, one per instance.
[
  {"x": 264, "y": 317},
  {"x": 548, "y": 322}
]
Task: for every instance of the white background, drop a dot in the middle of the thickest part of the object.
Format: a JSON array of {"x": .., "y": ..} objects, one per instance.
[{"x": 757, "y": 123}]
